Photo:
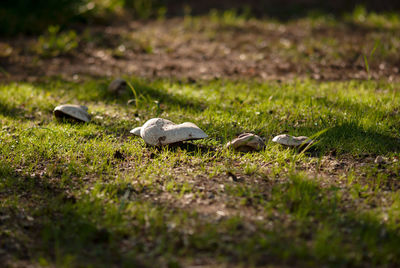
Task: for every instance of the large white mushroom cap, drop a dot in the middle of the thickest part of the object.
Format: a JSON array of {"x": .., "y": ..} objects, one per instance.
[{"x": 159, "y": 131}]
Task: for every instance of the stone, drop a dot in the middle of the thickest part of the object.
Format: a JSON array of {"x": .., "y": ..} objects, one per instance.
[
  {"x": 71, "y": 111},
  {"x": 117, "y": 86},
  {"x": 159, "y": 131},
  {"x": 293, "y": 141},
  {"x": 246, "y": 142}
]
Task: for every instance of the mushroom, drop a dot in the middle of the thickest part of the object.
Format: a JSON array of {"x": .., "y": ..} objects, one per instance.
[
  {"x": 379, "y": 160},
  {"x": 288, "y": 140},
  {"x": 71, "y": 111},
  {"x": 159, "y": 131},
  {"x": 136, "y": 131},
  {"x": 246, "y": 142},
  {"x": 117, "y": 86}
]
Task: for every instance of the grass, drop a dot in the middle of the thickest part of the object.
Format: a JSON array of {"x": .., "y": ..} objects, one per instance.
[
  {"x": 55, "y": 44},
  {"x": 93, "y": 195}
]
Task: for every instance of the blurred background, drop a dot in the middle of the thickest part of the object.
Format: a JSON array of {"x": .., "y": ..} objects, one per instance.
[
  {"x": 27, "y": 16},
  {"x": 199, "y": 40}
]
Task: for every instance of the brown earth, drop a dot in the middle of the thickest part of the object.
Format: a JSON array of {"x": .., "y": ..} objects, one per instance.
[{"x": 205, "y": 48}]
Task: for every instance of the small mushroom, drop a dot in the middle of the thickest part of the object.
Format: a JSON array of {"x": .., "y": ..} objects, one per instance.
[
  {"x": 118, "y": 86},
  {"x": 158, "y": 131},
  {"x": 136, "y": 131},
  {"x": 379, "y": 160},
  {"x": 71, "y": 111},
  {"x": 246, "y": 142},
  {"x": 288, "y": 140}
]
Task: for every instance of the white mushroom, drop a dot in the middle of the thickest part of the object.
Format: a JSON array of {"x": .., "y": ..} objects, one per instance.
[
  {"x": 136, "y": 131},
  {"x": 158, "y": 131},
  {"x": 288, "y": 140},
  {"x": 117, "y": 86},
  {"x": 71, "y": 111},
  {"x": 246, "y": 142}
]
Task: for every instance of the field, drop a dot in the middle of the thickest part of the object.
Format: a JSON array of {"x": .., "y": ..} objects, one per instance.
[{"x": 93, "y": 195}]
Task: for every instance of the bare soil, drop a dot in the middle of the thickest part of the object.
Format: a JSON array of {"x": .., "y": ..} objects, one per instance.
[{"x": 190, "y": 49}]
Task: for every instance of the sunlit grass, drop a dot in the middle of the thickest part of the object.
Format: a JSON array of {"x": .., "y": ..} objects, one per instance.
[{"x": 92, "y": 207}]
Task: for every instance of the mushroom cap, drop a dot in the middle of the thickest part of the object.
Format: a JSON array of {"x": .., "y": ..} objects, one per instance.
[
  {"x": 117, "y": 85},
  {"x": 158, "y": 131},
  {"x": 379, "y": 160},
  {"x": 136, "y": 131},
  {"x": 288, "y": 140},
  {"x": 246, "y": 142},
  {"x": 77, "y": 112}
]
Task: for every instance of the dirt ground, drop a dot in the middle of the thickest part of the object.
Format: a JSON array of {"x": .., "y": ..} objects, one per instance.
[{"x": 202, "y": 49}]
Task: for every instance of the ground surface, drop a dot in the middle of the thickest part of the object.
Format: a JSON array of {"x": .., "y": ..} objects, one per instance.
[
  {"x": 93, "y": 195},
  {"x": 222, "y": 45}
]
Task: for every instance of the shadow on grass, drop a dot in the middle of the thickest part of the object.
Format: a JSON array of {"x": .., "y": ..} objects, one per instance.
[
  {"x": 45, "y": 225},
  {"x": 352, "y": 138},
  {"x": 188, "y": 147},
  {"x": 323, "y": 216},
  {"x": 96, "y": 90},
  {"x": 11, "y": 111},
  {"x": 91, "y": 230},
  {"x": 163, "y": 97},
  {"x": 70, "y": 237},
  {"x": 321, "y": 227},
  {"x": 355, "y": 108}
]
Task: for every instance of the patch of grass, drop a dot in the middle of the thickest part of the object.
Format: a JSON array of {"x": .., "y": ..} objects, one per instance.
[
  {"x": 92, "y": 194},
  {"x": 388, "y": 20},
  {"x": 54, "y": 43},
  {"x": 230, "y": 17}
]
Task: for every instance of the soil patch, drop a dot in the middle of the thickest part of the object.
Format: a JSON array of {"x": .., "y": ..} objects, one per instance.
[{"x": 200, "y": 48}]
